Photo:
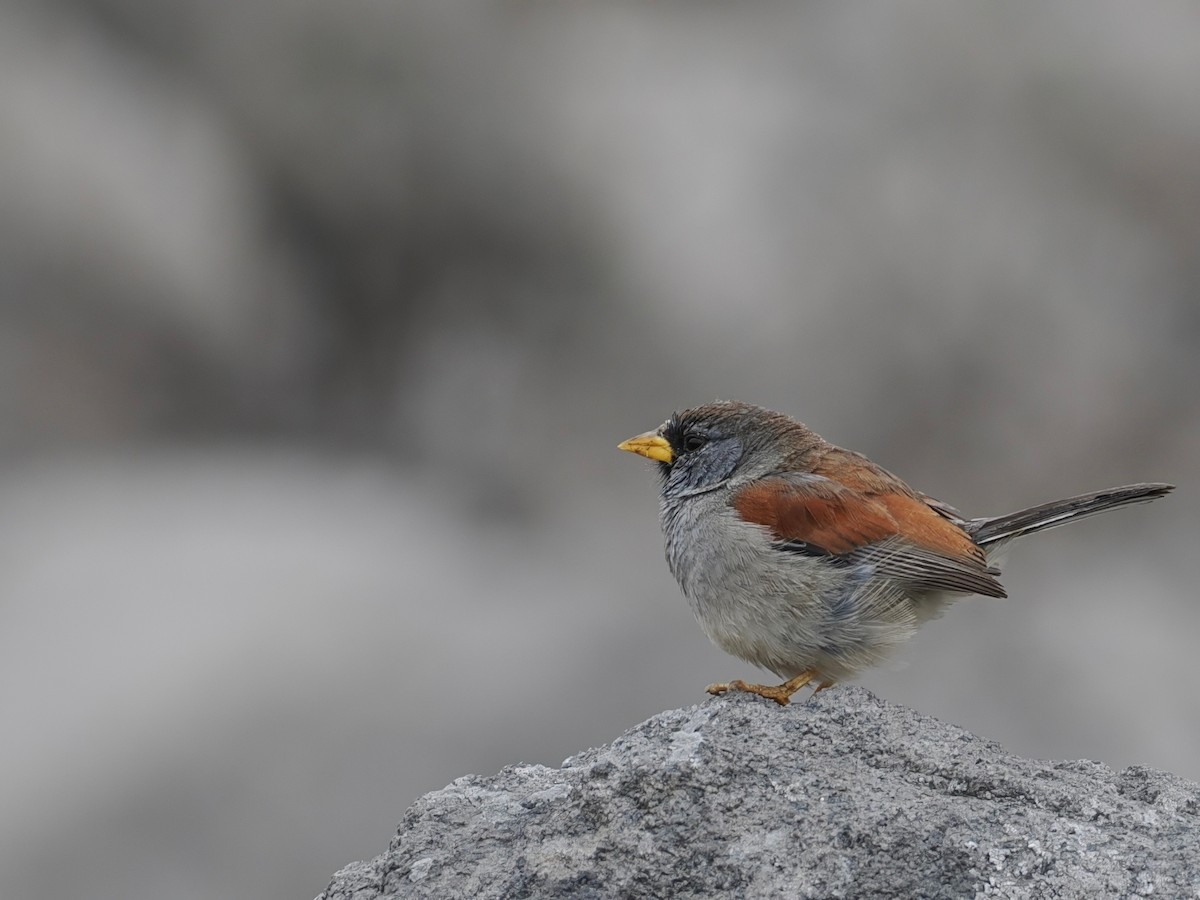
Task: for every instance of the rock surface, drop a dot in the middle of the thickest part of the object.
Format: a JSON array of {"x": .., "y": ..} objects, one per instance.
[{"x": 844, "y": 796}]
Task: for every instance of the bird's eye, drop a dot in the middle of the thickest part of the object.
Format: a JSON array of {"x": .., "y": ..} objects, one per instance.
[{"x": 694, "y": 442}]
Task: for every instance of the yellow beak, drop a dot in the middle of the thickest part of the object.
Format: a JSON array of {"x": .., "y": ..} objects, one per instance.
[{"x": 650, "y": 445}]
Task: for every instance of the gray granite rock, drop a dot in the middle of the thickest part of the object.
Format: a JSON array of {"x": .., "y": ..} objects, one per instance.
[{"x": 844, "y": 796}]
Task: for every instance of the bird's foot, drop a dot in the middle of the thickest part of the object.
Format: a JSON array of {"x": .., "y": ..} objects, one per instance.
[{"x": 780, "y": 693}]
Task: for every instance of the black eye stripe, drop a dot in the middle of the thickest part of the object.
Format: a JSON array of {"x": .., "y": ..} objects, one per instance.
[{"x": 684, "y": 436}]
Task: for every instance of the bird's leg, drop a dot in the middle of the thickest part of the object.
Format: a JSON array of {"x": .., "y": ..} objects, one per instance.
[
  {"x": 780, "y": 693},
  {"x": 823, "y": 686}
]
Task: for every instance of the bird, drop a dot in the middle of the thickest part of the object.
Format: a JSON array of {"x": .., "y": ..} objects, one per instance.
[{"x": 811, "y": 561}]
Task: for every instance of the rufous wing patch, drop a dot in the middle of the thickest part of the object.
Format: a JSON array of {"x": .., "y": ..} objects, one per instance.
[
  {"x": 920, "y": 524},
  {"x": 897, "y": 533},
  {"x": 821, "y": 513},
  {"x": 915, "y": 519}
]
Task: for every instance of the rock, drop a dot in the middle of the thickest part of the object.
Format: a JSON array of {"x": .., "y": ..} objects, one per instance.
[{"x": 843, "y": 796}]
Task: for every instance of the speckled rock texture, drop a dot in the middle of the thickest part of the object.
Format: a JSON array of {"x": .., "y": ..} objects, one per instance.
[{"x": 843, "y": 796}]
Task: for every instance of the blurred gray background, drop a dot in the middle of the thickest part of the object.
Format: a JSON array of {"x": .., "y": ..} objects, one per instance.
[{"x": 320, "y": 323}]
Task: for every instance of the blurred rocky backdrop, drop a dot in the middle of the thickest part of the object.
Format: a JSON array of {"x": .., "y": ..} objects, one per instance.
[{"x": 320, "y": 322}]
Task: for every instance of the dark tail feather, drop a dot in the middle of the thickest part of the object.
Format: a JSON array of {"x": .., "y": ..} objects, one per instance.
[{"x": 1060, "y": 512}]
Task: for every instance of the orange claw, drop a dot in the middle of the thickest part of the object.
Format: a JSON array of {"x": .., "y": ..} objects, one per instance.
[{"x": 781, "y": 693}]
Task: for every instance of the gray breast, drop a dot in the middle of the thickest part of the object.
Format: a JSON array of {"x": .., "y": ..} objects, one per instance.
[{"x": 786, "y": 612}]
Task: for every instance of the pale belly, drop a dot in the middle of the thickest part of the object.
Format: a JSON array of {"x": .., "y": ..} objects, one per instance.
[{"x": 784, "y": 611}]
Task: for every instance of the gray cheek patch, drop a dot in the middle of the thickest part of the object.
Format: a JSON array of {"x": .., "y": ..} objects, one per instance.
[{"x": 704, "y": 469}]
